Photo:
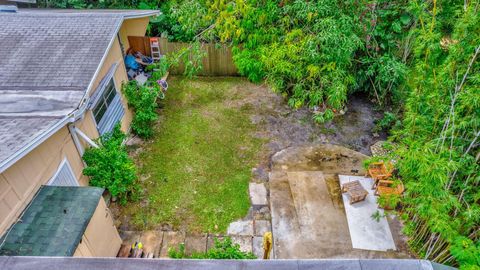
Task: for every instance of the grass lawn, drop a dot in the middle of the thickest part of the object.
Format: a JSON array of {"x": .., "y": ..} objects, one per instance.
[{"x": 197, "y": 168}]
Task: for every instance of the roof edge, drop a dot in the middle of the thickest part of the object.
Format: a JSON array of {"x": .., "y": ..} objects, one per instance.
[
  {"x": 148, "y": 13},
  {"x": 4, "y": 165}
]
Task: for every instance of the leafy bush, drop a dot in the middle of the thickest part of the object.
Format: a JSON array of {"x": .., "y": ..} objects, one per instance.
[
  {"x": 225, "y": 249},
  {"x": 382, "y": 68},
  {"x": 110, "y": 167},
  {"x": 388, "y": 122},
  {"x": 143, "y": 101},
  {"x": 303, "y": 49},
  {"x": 389, "y": 202}
]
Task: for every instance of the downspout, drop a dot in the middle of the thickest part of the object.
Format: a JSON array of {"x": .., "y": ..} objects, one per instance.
[
  {"x": 74, "y": 132},
  {"x": 84, "y": 136},
  {"x": 76, "y": 141}
]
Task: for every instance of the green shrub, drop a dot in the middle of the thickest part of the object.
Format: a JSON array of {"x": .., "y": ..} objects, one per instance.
[
  {"x": 142, "y": 99},
  {"x": 225, "y": 249},
  {"x": 110, "y": 167},
  {"x": 389, "y": 122}
]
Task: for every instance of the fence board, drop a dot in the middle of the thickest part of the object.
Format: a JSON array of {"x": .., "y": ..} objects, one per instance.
[{"x": 218, "y": 59}]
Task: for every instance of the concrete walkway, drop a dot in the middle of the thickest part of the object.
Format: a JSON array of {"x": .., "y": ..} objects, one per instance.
[{"x": 159, "y": 242}]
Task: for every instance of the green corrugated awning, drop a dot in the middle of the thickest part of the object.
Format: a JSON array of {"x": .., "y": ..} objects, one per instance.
[{"x": 53, "y": 223}]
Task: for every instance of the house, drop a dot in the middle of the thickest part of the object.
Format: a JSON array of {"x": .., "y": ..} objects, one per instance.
[{"x": 60, "y": 78}]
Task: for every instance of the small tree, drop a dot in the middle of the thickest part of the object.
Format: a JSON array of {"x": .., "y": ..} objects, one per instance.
[{"x": 110, "y": 167}]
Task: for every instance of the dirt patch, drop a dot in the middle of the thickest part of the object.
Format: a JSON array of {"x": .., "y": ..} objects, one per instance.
[{"x": 285, "y": 127}]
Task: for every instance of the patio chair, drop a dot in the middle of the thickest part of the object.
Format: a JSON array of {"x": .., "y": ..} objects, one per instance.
[
  {"x": 389, "y": 187},
  {"x": 379, "y": 171}
]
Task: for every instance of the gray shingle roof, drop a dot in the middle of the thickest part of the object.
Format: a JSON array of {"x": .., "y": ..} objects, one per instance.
[
  {"x": 47, "y": 60},
  {"x": 17, "y": 131},
  {"x": 53, "y": 223}
]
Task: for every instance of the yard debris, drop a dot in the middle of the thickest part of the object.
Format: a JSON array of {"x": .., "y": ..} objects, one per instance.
[{"x": 382, "y": 148}]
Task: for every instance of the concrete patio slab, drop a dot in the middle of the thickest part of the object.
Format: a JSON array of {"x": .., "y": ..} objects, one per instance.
[
  {"x": 242, "y": 227},
  {"x": 261, "y": 227},
  {"x": 366, "y": 232},
  {"x": 258, "y": 194},
  {"x": 305, "y": 221},
  {"x": 308, "y": 214}
]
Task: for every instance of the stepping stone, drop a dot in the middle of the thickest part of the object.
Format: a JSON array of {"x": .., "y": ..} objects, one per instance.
[
  {"x": 171, "y": 240},
  {"x": 258, "y": 194},
  {"x": 242, "y": 227},
  {"x": 195, "y": 244},
  {"x": 211, "y": 240},
  {"x": 261, "y": 227},
  {"x": 245, "y": 242}
]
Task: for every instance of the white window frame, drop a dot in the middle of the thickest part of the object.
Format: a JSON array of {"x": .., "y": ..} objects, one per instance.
[
  {"x": 63, "y": 163},
  {"x": 117, "y": 92},
  {"x": 94, "y": 99},
  {"x": 103, "y": 100}
]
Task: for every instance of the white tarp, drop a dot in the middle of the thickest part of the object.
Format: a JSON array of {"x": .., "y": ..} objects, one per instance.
[{"x": 366, "y": 232}]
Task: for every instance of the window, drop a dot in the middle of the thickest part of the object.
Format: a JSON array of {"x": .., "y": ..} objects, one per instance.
[
  {"x": 108, "y": 108},
  {"x": 104, "y": 101},
  {"x": 64, "y": 176}
]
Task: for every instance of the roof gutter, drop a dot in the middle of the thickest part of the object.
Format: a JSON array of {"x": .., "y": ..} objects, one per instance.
[
  {"x": 146, "y": 14},
  {"x": 77, "y": 113}
]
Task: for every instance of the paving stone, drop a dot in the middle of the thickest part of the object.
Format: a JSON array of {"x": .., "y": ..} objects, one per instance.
[
  {"x": 245, "y": 242},
  {"x": 257, "y": 246},
  {"x": 211, "y": 240},
  {"x": 171, "y": 240},
  {"x": 242, "y": 227},
  {"x": 258, "y": 194},
  {"x": 261, "y": 227},
  {"x": 195, "y": 243}
]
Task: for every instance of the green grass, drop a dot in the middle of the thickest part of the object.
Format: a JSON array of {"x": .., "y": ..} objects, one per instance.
[{"x": 199, "y": 162}]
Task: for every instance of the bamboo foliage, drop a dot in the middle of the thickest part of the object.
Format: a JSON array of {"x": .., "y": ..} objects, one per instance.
[{"x": 440, "y": 139}]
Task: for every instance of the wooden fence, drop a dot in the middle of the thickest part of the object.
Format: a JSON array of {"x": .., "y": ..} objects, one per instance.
[{"x": 218, "y": 59}]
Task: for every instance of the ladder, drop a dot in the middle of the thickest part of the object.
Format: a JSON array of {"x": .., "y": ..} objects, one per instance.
[{"x": 155, "y": 49}]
